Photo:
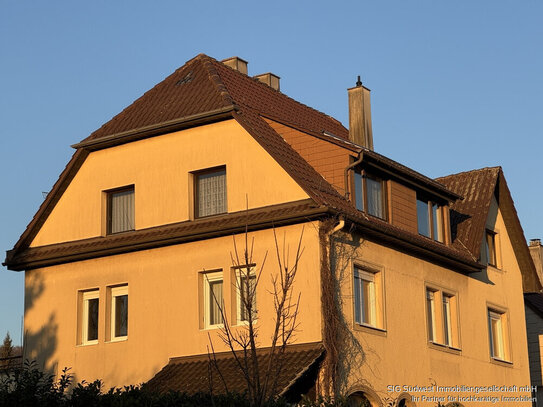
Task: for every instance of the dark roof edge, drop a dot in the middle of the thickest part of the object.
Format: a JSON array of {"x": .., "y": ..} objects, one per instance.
[
  {"x": 529, "y": 302},
  {"x": 413, "y": 177},
  {"x": 324, "y": 135},
  {"x": 447, "y": 259},
  {"x": 292, "y": 347},
  {"x": 52, "y": 198},
  {"x": 158, "y": 236},
  {"x": 157, "y": 129}
]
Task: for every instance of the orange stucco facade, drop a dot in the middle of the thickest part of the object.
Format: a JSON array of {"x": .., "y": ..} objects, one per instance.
[{"x": 165, "y": 291}]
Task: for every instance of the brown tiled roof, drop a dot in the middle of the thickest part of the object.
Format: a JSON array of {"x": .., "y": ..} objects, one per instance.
[
  {"x": 192, "y": 374},
  {"x": 142, "y": 239},
  {"x": 468, "y": 217},
  {"x": 204, "y": 84}
]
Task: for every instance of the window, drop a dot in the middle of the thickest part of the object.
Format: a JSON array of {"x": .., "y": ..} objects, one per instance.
[
  {"x": 367, "y": 298},
  {"x": 490, "y": 248},
  {"x": 442, "y": 319},
  {"x": 120, "y": 210},
  {"x": 213, "y": 299},
  {"x": 430, "y": 219},
  {"x": 89, "y": 317},
  {"x": 210, "y": 192},
  {"x": 119, "y": 313},
  {"x": 497, "y": 323},
  {"x": 370, "y": 195},
  {"x": 246, "y": 289}
]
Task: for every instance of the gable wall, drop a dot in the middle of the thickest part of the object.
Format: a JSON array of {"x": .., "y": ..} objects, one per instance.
[{"x": 160, "y": 168}]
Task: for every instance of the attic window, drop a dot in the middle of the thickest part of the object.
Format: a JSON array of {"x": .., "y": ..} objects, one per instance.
[
  {"x": 370, "y": 194},
  {"x": 210, "y": 192},
  {"x": 120, "y": 210},
  {"x": 430, "y": 219}
]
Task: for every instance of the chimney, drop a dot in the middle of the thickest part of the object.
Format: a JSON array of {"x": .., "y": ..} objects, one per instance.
[
  {"x": 269, "y": 79},
  {"x": 236, "y": 63},
  {"x": 536, "y": 251},
  {"x": 360, "y": 115}
]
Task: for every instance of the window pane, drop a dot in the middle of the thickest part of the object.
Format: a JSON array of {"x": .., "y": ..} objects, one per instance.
[
  {"x": 121, "y": 211},
  {"x": 92, "y": 322},
  {"x": 438, "y": 222},
  {"x": 357, "y": 298},
  {"x": 368, "y": 302},
  {"x": 375, "y": 197},
  {"x": 215, "y": 302},
  {"x": 358, "y": 191},
  {"x": 211, "y": 193},
  {"x": 250, "y": 289},
  {"x": 423, "y": 220},
  {"x": 431, "y": 316},
  {"x": 490, "y": 248},
  {"x": 121, "y": 315},
  {"x": 496, "y": 335},
  {"x": 447, "y": 326}
]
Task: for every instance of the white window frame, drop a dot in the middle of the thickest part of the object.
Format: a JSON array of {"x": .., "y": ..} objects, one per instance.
[
  {"x": 85, "y": 298},
  {"x": 210, "y": 278},
  {"x": 447, "y": 319},
  {"x": 361, "y": 276},
  {"x": 441, "y": 309},
  {"x": 431, "y": 314},
  {"x": 241, "y": 272},
  {"x": 117, "y": 292},
  {"x": 499, "y": 334}
]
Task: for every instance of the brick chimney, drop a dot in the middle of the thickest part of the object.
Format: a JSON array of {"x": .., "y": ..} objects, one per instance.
[
  {"x": 269, "y": 79},
  {"x": 236, "y": 63},
  {"x": 360, "y": 115},
  {"x": 536, "y": 251}
]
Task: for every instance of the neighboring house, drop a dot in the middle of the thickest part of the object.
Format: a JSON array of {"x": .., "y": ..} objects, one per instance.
[
  {"x": 405, "y": 280},
  {"x": 534, "y": 328}
]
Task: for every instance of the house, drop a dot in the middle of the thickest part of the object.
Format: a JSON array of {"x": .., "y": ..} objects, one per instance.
[{"x": 407, "y": 283}]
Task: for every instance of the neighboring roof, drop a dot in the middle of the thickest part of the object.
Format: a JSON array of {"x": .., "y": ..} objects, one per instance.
[
  {"x": 535, "y": 302},
  {"x": 469, "y": 216},
  {"x": 192, "y": 374}
]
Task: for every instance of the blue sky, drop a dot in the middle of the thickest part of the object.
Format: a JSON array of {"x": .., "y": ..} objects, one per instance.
[{"x": 455, "y": 85}]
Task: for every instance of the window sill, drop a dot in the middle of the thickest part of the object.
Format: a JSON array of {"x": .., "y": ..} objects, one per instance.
[
  {"x": 444, "y": 348},
  {"x": 370, "y": 329},
  {"x": 119, "y": 339},
  {"x": 212, "y": 327},
  {"x": 501, "y": 362},
  {"x": 88, "y": 343}
]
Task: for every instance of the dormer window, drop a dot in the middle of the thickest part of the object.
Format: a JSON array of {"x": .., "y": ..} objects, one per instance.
[
  {"x": 370, "y": 194},
  {"x": 430, "y": 219}
]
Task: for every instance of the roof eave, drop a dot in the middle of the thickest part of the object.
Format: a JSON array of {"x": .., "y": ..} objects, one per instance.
[{"x": 181, "y": 123}]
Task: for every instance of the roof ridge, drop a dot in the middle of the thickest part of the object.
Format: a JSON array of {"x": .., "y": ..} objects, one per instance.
[
  {"x": 279, "y": 93},
  {"x": 214, "y": 76},
  {"x": 497, "y": 167}
]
